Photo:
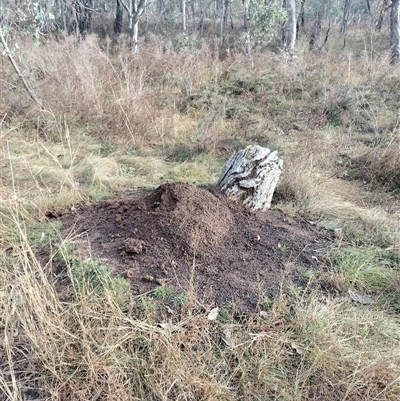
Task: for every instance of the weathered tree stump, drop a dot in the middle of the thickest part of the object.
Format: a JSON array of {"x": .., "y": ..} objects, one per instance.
[{"x": 250, "y": 175}]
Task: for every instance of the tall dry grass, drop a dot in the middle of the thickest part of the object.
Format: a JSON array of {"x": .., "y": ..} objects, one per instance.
[{"x": 65, "y": 341}]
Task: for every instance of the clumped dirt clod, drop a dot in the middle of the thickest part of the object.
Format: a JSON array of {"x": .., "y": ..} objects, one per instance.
[
  {"x": 196, "y": 239},
  {"x": 133, "y": 245}
]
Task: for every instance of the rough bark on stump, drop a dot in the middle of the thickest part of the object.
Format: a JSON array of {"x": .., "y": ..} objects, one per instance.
[{"x": 250, "y": 175}]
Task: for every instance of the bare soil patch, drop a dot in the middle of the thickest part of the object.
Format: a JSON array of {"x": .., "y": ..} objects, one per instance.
[{"x": 195, "y": 239}]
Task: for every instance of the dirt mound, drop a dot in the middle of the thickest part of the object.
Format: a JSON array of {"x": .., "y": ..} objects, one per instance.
[
  {"x": 191, "y": 216},
  {"x": 190, "y": 238}
]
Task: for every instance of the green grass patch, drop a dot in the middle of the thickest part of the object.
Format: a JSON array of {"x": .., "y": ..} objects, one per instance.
[
  {"x": 179, "y": 300},
  {"x": 371, "y": 269},
  {"x": 162, "y": 292},
  {"x": 91, "y": 278}
]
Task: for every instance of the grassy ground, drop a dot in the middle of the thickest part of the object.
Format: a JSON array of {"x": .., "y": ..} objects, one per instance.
[{"x": 113, "y": 123}]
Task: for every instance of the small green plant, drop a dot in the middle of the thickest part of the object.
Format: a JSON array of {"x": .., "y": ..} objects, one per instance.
[
  {"x": 294, "y": 291},
  {"x": 128, "y": 170},
  {"x": 225, "y": 314},
  {"x": 307, "y": 273},
  {"x": 162, "y": 292},
  {"x": 266, "y": 302},
  {"x": 43, "y": 234},
  {"x": 150, "y": 187},
  {"x": 65, "y": 253},
  {"x": 143, "y": 307},
  {"x": 91, "y": 278},
  {"x": 179, "y": 300},
  {"x": 282, "y": 248}
]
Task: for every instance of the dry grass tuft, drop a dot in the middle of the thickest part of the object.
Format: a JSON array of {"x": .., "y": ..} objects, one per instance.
[{"x": 380, "y": 166}]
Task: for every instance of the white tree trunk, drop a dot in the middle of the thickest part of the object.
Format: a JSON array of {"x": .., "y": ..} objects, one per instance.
[
  {"x": 289, "y": 30},
  {"x": 246, "y": 26},
  {"x": 291, "y": 24},
  {"x": 183, "y": 6},
  {"x": 250, "y": 175},
  {"x": 222, "y": 26},
  {"x": 395, "y": 32},
  {"x": 135, "y": 32},
  {"x": 345, "y": 21},
  {"x": 134, "y": 11}
]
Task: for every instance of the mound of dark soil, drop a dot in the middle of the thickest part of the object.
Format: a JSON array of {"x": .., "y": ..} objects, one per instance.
[{"x": 190, "y": 238}]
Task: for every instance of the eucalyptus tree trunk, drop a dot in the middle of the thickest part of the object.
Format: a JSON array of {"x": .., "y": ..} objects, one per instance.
[
  {"x": 315, "y": 31},
  {"x": 193, "y": 11},
  {"x": 289, "y": 30},
  {"x": 118, "y": 18},
  {"x": 134, "y": 10},
  {"x": 223, "y": 22},
  {"x": 85, "y": 22},
  {"x": 369, "y": 7},
  {"x": 134, "y": 33},
  {"x": 78, "y": 17},
  {"x": 183, "y": 6},
  {"x": 64, "y": 13},
  {"x": 395, "y": 32},
  {"x": 382, "y": 11},
  {"x": 326, "y": 35},
  {"x": 300, "y": 19},
  {"x": 246, "y": 26},
  {"x": 345, "y": 21},
  {"x": 203, "y": 12}
]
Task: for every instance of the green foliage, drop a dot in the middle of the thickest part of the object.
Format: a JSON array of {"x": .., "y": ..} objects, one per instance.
[
  {"x": 185, "y": 151},
  {"x": 185, "y": 42},
  {"x": 294, "y": 291},
  {"x": 65, "y": 253},
  {"x": 283, "y": 248},
  {"x": 162, "y": 292},
  {"x": 225, "y": 314},
  {"x": 327, "y": 8},
  {"x": 43, "y": 234},
  {"x": 179, "y": 300},
  {"x": 265, "y": 16},
  {"x": 91, "y": 278},
  {"x": 35, "y": 18},
  {"x": 143, "y": 307},
  {"x": 128, "y": 170}
]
